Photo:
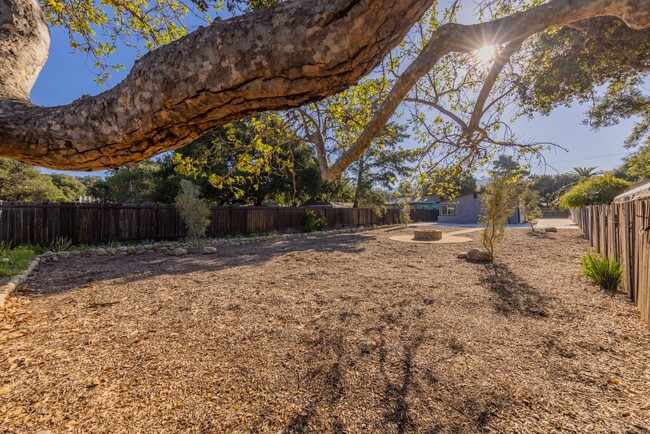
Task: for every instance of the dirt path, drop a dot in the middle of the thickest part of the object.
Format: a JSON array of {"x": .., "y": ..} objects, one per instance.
[{"x": 352, "y": 333}]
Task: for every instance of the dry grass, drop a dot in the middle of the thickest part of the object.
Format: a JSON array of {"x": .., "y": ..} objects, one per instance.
[{"x": 352, "y": 333}]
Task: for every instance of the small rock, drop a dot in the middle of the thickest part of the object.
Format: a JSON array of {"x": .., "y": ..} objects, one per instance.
[
  {"x": 64, "y": 255},
  {"x": 148, "y": 247},
  {"x": 101, "y": 252},
  {"x": 48, "y": 254},
  {"x": 92, "y": 252},
  {"x": 130, "y": 250},
  {"x": 209, "y": 250},
  {"x": 75, "y": 252},
  {"x": 111, "y": 250},
  {"x": 550, "y": 229},
  {"x": 139, "y": 247},
  {"x": 462, "y": 255},
  {"x": 122, "y": 249},
  {"x": 180, "y": 252},
  {"x": 478, "y": 255}
]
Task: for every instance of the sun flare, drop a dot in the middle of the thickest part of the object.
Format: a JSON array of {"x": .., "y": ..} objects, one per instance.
[{"x": 485, "y": 54}]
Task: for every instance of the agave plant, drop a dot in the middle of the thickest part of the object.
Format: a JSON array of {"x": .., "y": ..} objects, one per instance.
[
  {"x": 605, "y": 272},
  {"x": 60, "y": 244}
]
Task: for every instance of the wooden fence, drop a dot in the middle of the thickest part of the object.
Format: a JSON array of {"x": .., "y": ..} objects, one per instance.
[
  {"x": 622, "y": 231},
  {"x": 42, "y": 222}
]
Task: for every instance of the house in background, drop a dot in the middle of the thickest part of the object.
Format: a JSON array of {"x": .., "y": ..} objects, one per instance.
[
  {"x": 428, "y": 202},
  {"x": 467, "y": 209}
]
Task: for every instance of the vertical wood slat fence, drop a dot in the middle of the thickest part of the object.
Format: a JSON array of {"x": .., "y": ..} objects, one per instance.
[
  {"x": 43, "y": 222},
  {"x": 622, "y": 231}
]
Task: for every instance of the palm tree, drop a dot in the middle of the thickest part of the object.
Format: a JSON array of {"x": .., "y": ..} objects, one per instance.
[{"x": 585, "y": 172}]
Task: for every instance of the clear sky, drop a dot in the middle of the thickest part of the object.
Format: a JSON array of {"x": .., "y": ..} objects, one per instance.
[{"x": 67, "y": 76}]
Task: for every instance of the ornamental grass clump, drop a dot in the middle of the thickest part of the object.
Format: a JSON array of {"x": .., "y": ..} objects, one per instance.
[{"x": 605, "y": 272}]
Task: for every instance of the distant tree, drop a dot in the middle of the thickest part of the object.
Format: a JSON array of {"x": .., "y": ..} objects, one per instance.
[
  {"x": 374, "y": 199},
  {"x": 551, "y": 187},
  {"x": 194, "y": 212},
  {"x": 585, "y": 172},
  {"x": 637, "y": 165},
  {"x": 529, "y": 202},
  {"x": 251, "y": 161},
  {"x": 97, "y": 188},
  {"x": 506, "y": 165},
  {"x": 71, "y": 188},
  {"x": 594, "y": 191},
  {"x": 498, "y": 202},
  {"x": 405, "y": 213},
  {"x": 22, "y": 182},
  {"x": 339, "y": 190},
  {"x": 381, "y": 165},
  {"x": 132, "y": 184}
]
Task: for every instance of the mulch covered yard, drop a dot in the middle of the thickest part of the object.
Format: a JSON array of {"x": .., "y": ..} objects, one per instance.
[{"x": 349, "y": 333}]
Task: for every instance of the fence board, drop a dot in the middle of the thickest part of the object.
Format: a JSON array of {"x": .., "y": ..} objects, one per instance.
[
  {"x": 622, "y": 231},
  {"x": 43, "y": 222}
]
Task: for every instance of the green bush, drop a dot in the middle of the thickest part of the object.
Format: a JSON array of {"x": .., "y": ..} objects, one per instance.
[
  {"x": 321, "y": 223},
  {"x": 193, "y": 210},
  {"x": 310, "y": 222},
  {"x": 593, "y": 191},
  {"x": 405, "y": 213},
  {"x": 605, "y": 272}
]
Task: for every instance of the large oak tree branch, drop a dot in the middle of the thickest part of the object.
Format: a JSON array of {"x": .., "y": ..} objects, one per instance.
[
  {"x": 465, "y": 38},
  {"x": 500, "y": 61},
  {"x": 283, "y": 56}
]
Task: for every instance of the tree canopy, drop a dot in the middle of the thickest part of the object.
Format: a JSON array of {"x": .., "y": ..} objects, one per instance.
[
  {"x": 594, "y": 191},
  {"x": 276, "y": 56}
]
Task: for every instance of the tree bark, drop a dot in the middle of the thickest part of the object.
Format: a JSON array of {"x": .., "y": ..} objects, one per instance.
[
  {"x": 283, "y": 56},
  {"x": 357, "y": 190}
]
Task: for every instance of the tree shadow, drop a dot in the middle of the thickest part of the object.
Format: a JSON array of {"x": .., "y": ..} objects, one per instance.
[
  {"x": 513, "y": 294},
  {"x": 336, "y": 358},
  {"x": 57, "y": 277}
]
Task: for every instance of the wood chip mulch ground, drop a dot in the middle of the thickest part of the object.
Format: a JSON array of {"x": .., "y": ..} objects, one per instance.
[{"x": 351, "y": 333}]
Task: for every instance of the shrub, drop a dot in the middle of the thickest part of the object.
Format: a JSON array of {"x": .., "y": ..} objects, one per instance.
[
  {"x": 194, "y": 212},
  {"x": 310, "y": 222},
  {"x": 530, "y": 206},
  {"x": 405, "y": 213},
  {"x": 593, "y": 191},
  {"x": 497, "y": 204},
  {"x": 605, "y": 272},
  {"x": 321, "y": 223}
]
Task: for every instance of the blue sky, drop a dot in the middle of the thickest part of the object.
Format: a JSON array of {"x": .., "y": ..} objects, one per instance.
[{"x": 67, "y": 75}]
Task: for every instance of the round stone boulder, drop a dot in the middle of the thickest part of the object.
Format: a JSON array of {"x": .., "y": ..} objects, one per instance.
[
  {"x": 180, "y": 252},
  {"x": 209, "y": 250},
  {"x": 550, "y": 229},
  {"x": 478, "y": 255}
]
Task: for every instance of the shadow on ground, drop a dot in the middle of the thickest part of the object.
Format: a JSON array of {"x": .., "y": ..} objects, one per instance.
[
  {"x": 514, "y": 295},
  {"x": 81, "y": 272}
]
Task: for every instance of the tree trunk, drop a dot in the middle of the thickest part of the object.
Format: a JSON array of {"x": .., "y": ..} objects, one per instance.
[
  {"x": 283, "y": 56},
  {"x": 357, "y": 191}
]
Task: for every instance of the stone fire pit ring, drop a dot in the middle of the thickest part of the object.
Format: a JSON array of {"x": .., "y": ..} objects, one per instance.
[{"x": 427, "y": 235}]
